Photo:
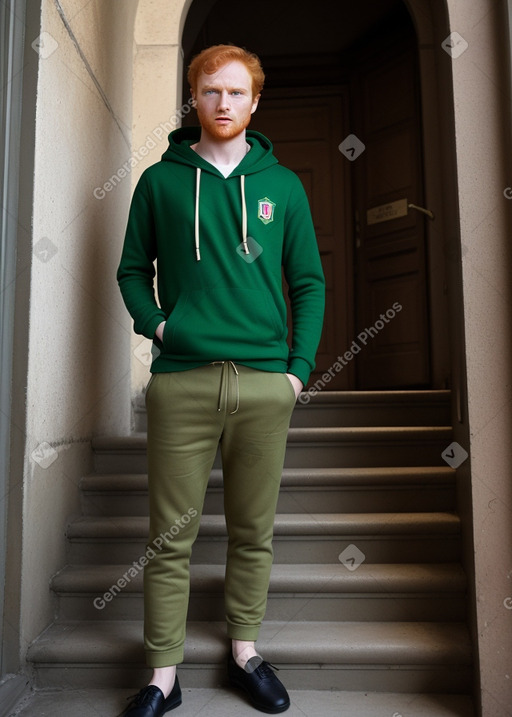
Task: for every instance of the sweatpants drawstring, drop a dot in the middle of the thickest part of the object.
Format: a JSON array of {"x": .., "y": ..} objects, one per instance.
[{"x": 224, "y": 385}]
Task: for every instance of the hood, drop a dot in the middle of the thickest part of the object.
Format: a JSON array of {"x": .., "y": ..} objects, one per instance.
[{"x": 258, "y": 158}]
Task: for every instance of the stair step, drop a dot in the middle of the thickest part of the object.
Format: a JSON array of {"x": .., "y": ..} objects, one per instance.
[
  {"x": 351, "y": 490},
  {"x": 373, "y": 408},
  {"x": 331, "y": 447},
  {"x": 226, "y": 702},
  {"x": 394, "y": 656},
  {"x": 308, "y": 592},
  {"x": 298, "y": 538},
  {"x": 359, "y": 408},
  {"x": 366, "y": 592},
  {"x": 285, "y": 524}
]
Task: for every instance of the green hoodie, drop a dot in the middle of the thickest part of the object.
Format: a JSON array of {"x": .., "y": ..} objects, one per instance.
[{"x": 220, "y": 245}]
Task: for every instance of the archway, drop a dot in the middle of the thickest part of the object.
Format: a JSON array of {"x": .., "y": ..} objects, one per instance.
[
  {"x": 444, "y": 100},
  {"x": 328, "y": 81}
]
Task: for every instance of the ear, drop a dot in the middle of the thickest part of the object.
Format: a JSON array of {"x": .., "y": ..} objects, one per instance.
[
  {"x": 194, "y": 102},
  {"x": 255, "y": 103}
]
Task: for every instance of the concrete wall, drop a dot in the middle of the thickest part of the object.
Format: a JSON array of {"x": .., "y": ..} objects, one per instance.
[
  {"x": 482, "y": 120},
  {"x": 75, "y": 329},
  {"x": 158, "y": 109}
]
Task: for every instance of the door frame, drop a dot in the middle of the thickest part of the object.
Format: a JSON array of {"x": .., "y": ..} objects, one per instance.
[
  {"x": 11, "y": 102},
  {"x": 431, "y": 20},
  {"x": 439, "y": 162},
  {"x": 17, "y": 245},
  {"x": 436, "y": 99}
]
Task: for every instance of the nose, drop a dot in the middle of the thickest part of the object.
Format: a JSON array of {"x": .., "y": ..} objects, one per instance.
[{"x": 223, "y": 100}]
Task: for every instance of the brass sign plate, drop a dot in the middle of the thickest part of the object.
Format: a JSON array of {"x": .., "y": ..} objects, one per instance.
[{"x": 386, "y": 212}]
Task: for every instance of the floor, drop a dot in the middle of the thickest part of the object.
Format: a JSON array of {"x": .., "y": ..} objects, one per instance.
[{"x": 224, "y": 703}]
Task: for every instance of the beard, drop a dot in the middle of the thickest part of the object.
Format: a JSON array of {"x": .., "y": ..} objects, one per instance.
[{"x": 223, "y": 131}]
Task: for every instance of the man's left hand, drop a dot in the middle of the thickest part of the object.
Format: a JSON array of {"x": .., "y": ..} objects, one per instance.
[{"x": 296, "y": 383}]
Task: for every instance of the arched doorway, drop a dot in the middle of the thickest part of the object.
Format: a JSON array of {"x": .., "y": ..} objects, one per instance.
[{"x": 342, "y": 105}]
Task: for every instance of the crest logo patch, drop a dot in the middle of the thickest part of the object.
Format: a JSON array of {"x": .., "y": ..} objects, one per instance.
[{"x": 266, "y": 210}]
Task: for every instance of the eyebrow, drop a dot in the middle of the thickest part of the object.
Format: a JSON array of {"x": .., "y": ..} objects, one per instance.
[{"x": 230, "y": 89}]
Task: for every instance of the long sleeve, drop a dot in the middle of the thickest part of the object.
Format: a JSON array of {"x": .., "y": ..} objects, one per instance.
[
  {"x": 136, "y": 271},
  {"x": 304, "y": 274}
]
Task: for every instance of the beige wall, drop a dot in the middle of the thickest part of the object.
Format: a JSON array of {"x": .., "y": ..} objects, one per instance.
[
  {"x": 482, "y": 121},
  {"x": 78, "y": 331},
  {"x": 158, "y": 108}
]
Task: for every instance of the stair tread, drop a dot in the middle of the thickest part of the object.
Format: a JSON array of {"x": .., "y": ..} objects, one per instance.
[
  {"x": 313, "y": 578},
  {"x": 315, "y": 477},
  {"x": 440, "y": 395},
  {"x": 137, "y": 442},
  {"x": 387, "y": 643},
  {"x": 385, "y": 395},
  {"x": 215, "y": 702},
  {"x": 285, "y": 524}
]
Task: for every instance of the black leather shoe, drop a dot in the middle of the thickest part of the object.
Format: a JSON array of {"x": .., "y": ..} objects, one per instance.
[
  {"x": 265, "y": 691},
  {"x": 150, "y": 702}
]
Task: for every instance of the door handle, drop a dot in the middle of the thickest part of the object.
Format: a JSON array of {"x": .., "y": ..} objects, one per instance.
[{"x": 429, "y": 214}]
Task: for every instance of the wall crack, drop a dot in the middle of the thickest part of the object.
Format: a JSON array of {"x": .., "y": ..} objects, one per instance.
[{"x": 90, "y": 71}]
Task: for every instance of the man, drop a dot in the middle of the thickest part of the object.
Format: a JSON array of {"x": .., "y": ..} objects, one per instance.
[{"x": 222, "y": 219}]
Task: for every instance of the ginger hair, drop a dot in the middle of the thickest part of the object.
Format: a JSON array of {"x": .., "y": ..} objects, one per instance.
[{"x": 214, "y": 57}]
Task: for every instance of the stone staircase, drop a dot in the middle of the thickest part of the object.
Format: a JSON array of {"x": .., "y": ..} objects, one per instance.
[{"x": 367, "y": 591}]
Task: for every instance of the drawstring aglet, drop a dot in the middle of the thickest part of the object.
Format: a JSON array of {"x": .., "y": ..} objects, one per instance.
[{"x": 246, "y": 248}]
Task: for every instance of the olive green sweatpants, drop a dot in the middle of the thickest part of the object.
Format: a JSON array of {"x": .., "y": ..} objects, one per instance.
[{"x": 190, "y": 414}]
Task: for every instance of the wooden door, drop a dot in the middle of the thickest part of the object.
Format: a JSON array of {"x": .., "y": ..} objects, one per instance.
[
  {"x": 306, "y": 127},
  {"x": 391, "y": 305}
]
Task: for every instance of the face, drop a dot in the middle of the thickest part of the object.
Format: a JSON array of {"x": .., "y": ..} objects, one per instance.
[{"x": 224, "y": 101}]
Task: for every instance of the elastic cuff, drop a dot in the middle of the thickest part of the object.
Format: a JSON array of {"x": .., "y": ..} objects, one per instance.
[
  {"x": 243, "y": 632},
  {"x": 300, "y": 368},
  {"x": 165, "y": 659},
  {"x": 151, "y": 326}
]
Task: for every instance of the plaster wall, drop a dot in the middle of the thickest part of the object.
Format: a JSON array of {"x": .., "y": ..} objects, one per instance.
[
  {"x": 78, "y": 380},
  {"x": 481, "y": 87},
  {"x": 158, "y": 108}
]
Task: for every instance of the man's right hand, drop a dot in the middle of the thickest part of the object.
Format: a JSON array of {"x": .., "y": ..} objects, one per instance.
[{"x": 159, "y": 333}]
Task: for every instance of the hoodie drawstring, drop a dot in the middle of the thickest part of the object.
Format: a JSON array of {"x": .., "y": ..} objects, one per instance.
[
  {"x": 196, "y": 220},
  {"x": 244, "y": 214},
  {"x": 196, "y": 215}
]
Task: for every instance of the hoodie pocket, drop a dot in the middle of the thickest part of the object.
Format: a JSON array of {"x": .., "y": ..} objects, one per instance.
[
  {"x": 173, "y": 319},
  {"x": 223, "y": 322}
]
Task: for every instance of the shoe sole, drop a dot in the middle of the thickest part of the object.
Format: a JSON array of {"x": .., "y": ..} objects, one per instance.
[
  {"x": 259, "y": 707},
  {"x": 172, "y": 706}
]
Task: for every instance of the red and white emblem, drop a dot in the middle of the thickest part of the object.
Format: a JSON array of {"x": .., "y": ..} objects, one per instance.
[{"x": 266, "y": 210}]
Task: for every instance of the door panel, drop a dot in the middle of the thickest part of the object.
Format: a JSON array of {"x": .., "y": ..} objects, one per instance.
[
  {"x": 370, "y": 266},
  {"x": 306, "y": 131},
  {"x": 390, "y": 252}
]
